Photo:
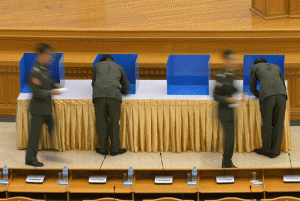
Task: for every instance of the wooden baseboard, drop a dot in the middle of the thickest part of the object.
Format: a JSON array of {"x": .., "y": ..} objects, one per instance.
[
  {"x": 295, "y": 16},
  {"x": 10, "y": 111},
  {"x": 294, "y": 115}
]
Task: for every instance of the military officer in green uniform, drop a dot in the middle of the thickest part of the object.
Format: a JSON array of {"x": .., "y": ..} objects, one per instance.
[
  {"x": 41, "y": 85},
  {"x": 109, "y": 83},
  {"x": 223, "y": 92},
  {"x": 272, "y": 99}
]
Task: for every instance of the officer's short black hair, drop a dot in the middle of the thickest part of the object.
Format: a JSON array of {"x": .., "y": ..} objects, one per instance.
[
  {"x": 260, "y": 60},
  {"x": 227, "y": 53},
  {"x": 41, "y": 48},
  {"x": 106, "y": 57}
]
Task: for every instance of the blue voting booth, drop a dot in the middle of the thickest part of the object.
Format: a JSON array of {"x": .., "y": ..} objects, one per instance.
[
  {"x": 249, "y": 61},
  {"x": 28, "y": 60},
  {"x": 188, "y": 74},
  {"x": 130, "y": 64}
]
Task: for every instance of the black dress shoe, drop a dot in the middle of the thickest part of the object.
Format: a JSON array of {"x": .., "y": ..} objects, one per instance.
[
  {"x": 230, "y": 166},
  {"x": 34, "y": 164},
  {"x": 261, "y": 152},
  {"x": 101, "y": 152},
  {"x": 273, "y": 155},
  {"x": 121, "y": 151}
]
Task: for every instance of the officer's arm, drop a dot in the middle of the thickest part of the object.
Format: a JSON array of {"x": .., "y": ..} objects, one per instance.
[
  {"x": 54, "y": 84},
  {"x": 94, "y": 76},
  {"x": 36, "y": 86},
  {"x": 253, "y": 83},
  {"x": 219, "y": 90},
  {"x": 124, "y": 82}
]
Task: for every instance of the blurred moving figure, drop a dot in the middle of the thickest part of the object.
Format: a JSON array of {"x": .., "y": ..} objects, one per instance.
[
  {"x": 41, "y": 85},
  {"x": 223, "y": 92}
]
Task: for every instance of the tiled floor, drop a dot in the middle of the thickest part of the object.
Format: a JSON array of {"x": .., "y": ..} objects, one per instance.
[{"x": 10, "y": 155}]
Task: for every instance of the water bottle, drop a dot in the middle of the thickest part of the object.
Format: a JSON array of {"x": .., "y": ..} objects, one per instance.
[
  {"x": 130, "y": 174},
  {"x": 194, "y": 174},
  {"x": 65, "y": 174},
  {"x": 5, "y": 173}
]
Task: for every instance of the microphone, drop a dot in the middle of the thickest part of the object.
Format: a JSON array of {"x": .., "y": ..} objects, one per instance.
[
  {"x": 45, "y": 196},
  {"x": 291, "y": 163},
  {"x": 114, "y": 193},
  {"x": 182, "y": 196},
  {"x": 224, "y": 171},
  {"x": 251, "y": 193},
  {"x": 102, "y": 164},
  {"x": 162, "y": 163}
]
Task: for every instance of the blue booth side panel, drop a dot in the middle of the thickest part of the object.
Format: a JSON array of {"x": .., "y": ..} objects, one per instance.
[
  {"x": 61, "y": 65},
  {"x": 188, "y": 74},
  {"x": 27, "y": 62},
  {"x": 22, "y": 73},
  {"x": 188, "y": 90}
]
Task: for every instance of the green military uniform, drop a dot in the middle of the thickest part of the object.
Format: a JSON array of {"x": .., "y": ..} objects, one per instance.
[
  {"x": 40, "y": 107},
  {"x": 224, "y": 89},
  {"x": 272, "y": 98},
  {"x": 109, "y": 82}
]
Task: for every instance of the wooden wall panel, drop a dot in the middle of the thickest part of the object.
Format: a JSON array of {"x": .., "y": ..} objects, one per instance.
[
  {"x": 270, "y": 9},
  {"x": 9, "y": 89},
  {"x": 2, "y": 85},
  {"x": 260, "y": 5},
  {"x": 277, "y": 7},
  {"x": 294, "y": 8},
  {"x": 13, "y": 90}
]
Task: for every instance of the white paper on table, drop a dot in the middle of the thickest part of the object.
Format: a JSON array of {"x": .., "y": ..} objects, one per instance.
[
  {"x": 239, "y": 97},
  {"x": 61, "y": 89}
]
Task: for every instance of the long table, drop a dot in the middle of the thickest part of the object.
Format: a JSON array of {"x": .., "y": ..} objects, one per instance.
[{"x": 150, "y": 121}]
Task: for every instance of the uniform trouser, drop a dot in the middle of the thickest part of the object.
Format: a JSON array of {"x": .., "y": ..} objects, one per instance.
[
  {"x": 107, "y": 112},
  {"x": 226, "y": 116},
  {"x": 36, "y": 124},
  {"x": 229, "y": 135},
  {"x": 272, "y": 110}
]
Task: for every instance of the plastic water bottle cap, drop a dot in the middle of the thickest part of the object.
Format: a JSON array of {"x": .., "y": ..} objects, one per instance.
[
  {"x": 194, "y": 166},
  {"x": 130, "y": 166},
  {"x": 65, "y": 166}
]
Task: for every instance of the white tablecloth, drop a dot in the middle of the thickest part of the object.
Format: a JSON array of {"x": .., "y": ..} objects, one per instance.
[{"x": 147, "y": 89}]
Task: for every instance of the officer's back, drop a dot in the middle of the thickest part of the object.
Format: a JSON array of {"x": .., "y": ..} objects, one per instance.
[
  {"x": 270, "y": 78},
  {"x": 109, "y": 80}
]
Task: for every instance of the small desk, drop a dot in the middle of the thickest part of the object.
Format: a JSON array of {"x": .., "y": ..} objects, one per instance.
[
  {"x": 144, "y": 182},
  {"x": 274, "y": 180},
  {"x": 241, "y": 183},
  {"x": 80, "y": 182},
  {"x": 50, "y": 185}
]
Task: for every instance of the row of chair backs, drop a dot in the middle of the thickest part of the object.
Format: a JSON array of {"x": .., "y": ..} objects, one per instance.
[
  {"x": 20, "y": 199},
  {"x": 287, "y": 198}
]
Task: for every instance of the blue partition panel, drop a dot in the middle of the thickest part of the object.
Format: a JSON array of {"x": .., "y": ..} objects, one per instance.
[
  {"x": 28, "y": 60},
  {"x": 249, "y": 61},
  {"x": 188, "y": 74},
  {"x": 130, "y": 64}
]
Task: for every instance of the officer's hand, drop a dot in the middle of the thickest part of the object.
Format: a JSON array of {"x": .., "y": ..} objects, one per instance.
[
  {"x": 58, "y": 86},
  {"x": 55, "y": 92},
  {"x": 232, "y": 100}
]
